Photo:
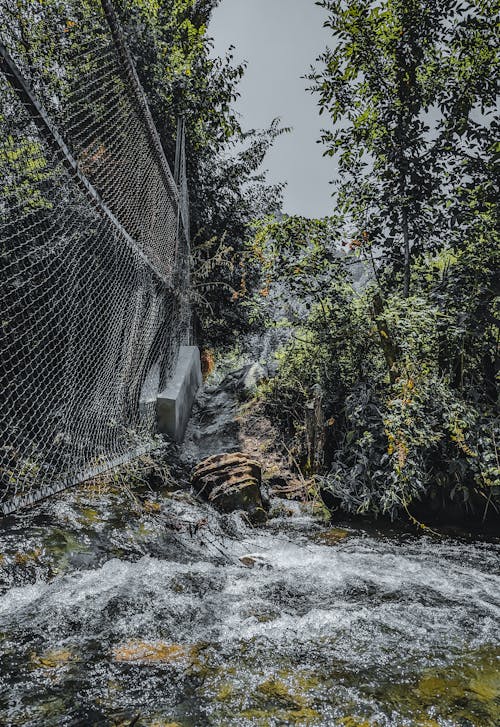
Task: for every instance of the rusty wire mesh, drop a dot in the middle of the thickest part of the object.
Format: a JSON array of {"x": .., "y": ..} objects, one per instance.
[{"x": 94, "y": 251}]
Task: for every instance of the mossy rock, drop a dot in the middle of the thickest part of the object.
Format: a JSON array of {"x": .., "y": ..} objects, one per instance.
[
  {"x": 277, "y": 692},
  {"x": 332, "y": 536},
  {"x": 89, "y": 516},
  {"x": 52, "y": 659},
  {"x": 466, "y": 692},
  {"x": 62, "y": 543},
  {"x": 353, "y": 722},
  {"x": 28, "y": 557},
  {"x": 151, "y": 652},
  {"x": 225, "y": 692},
  {"x": 271, "y": 717}
]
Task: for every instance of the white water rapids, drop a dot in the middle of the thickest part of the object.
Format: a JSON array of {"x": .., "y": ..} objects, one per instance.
[{"x": 313, "y": 633}]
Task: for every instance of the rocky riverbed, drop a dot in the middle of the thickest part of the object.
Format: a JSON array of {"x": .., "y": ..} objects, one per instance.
[
  {"x": 133, "y": 602},
  {"x": 119, "y": 606}
]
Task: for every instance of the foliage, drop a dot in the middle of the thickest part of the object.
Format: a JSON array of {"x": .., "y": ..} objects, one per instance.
[
  {"x": 23, "y": 170},
  {"x": 398, "y": 429},
  {"x": 410, "y": 87},
  {"x": 406, "y": 367},
  {"x": 214, "y": 267},
  {"x": 227, "y": 186},
  {"x": 182, "y": 78}
]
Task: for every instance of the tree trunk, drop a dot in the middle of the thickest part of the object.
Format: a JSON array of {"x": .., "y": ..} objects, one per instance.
[
  {"x": 406, "y": 235},
  {"x": 406, "y": 243},
  {"x": 389, "y": 348},
  {"x": 315, "y": 431}
]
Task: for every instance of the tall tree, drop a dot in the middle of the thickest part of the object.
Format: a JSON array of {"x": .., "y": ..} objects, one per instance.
[
  {"x": 181, "y": 75},
  {"x": 227, "y": 185},
  {"x": 400, "y": 83}
]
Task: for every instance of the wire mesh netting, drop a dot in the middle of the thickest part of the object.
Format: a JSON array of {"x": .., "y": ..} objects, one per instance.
[{"x": 94, "y": 251}]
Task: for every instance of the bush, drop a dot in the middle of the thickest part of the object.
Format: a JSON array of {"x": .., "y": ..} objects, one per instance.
[{"x": 404, "y": 382}]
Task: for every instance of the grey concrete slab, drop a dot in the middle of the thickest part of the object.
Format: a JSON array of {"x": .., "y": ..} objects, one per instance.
[{"x": 174, "y": 403}]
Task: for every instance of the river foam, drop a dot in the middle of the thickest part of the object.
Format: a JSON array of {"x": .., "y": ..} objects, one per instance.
[{"x": 385, "y": 606}]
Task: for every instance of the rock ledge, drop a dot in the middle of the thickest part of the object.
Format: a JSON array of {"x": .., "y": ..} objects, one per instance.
[{"x": 231, "y": 482}]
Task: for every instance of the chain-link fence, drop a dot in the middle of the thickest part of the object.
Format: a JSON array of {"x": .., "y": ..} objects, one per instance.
[{"x": 94, "y": 250}]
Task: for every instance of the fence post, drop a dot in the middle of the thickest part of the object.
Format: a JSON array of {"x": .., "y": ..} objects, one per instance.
[
  {"x": 124, "y": 54},
  {"x": 178, "y": 146}
]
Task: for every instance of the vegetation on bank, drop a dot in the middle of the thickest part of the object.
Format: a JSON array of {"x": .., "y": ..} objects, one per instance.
[
  {"x": 408, "y": 409},
  {"x": 401, "y": 370},
  {"x": 405, "y": 366}
]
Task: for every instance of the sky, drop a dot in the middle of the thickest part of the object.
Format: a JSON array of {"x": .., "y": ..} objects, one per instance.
[{"x": 280, "y": 39}]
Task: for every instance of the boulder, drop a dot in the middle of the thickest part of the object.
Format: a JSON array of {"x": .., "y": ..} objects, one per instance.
[
  {"x": 251, "y": 377},
  {"x": 252, "y": 560},
  {"x": 244, "y": 381},
  {"x": 231, "y": 482}
]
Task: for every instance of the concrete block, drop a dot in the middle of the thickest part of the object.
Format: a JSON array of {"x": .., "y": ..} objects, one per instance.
[{"x": 174, "y": 403}]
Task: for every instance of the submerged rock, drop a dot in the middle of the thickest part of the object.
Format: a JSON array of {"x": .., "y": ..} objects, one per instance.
[
  {"x": 52, "y": 659},
  {"x": 231, "y": 482},
  {"x": 331, "y": 537},
  {"x": 255, "y": 559},
  {"x": 148, "y": 652}
]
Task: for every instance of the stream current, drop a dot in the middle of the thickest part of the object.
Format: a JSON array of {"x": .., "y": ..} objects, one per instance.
[{"x": 143, "y": 608}]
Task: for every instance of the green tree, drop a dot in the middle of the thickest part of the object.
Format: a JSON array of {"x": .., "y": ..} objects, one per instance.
[
  {"x": 425, "y": 430},
  {"x": 227, "y": 185},
  {"x": 407, "y": 365},
  {"x": 172, "y": 52},
  {"x": 400, "y": 83}
]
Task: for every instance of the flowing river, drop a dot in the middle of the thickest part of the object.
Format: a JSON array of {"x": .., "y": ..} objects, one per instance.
[{"x": 142, "y": 608}]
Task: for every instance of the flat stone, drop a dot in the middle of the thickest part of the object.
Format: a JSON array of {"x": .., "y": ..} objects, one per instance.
[
  {"x": 230, "y": 482},
  {"x": 251, "y": 560}
]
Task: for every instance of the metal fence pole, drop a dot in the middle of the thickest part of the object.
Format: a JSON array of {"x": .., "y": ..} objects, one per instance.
[{"x": 124, "y": 53}]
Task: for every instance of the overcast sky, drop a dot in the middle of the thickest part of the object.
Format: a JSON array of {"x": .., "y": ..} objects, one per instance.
[{"x": 280, "y": 39}]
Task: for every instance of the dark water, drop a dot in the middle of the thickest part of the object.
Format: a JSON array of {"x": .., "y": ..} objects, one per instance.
[{"x": 119, "y": 608}]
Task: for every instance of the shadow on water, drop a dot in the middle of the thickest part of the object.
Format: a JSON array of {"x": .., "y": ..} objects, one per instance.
[{"x": 122, "y": 608}]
